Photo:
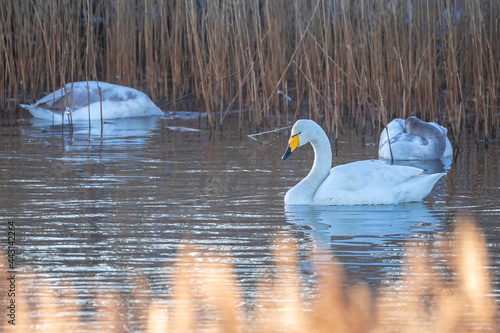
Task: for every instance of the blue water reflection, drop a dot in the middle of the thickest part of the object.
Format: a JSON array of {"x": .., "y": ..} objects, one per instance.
[
  {"x": 135, "y": 131},
  {"x": 368, "y": 241},
  {"x": 371, "y": 225}
]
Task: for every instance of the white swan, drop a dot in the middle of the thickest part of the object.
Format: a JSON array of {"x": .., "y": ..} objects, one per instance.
[
  {"x": 414, "y": 139},
  {"x": 117, "y": 102},
  {"x": 357, "y": 183}
]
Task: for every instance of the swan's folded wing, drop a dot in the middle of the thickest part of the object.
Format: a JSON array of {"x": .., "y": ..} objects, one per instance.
[
  {"x": 79, "y": 95},
  {"x": 359, "y": 175},
  {"x": 83, "y": 96},
  {"x": 54, "y": 101}
]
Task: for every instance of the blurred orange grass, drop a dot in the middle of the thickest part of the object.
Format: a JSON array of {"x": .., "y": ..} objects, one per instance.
[{"x": 206, "y": 297}]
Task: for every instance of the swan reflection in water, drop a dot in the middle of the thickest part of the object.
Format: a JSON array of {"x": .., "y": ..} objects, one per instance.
[
  {"x": 125, "y": 131},
  {"x": 371, "y": 226}
]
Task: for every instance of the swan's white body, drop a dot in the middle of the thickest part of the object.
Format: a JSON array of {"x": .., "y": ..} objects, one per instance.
[
  {"x": 414, "y": 139},
  {"x": 358, "y": 183},
  {"x": 117, "y": 102}
]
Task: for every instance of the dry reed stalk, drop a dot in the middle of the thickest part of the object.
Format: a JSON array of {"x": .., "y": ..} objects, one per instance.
[
  {"x": 221, "y": 291},
  {"x": 454, "y": 91},
  {"x": 157, "y": 318},
  {"x": 279, "y": 306},
  {"x": 50, "y": 312},
  {"x": 340, "y": 309},
  {"x": 182, "y": 317},
  {"x": 196, "y": 48},
  {"x": 423, "y": 302},
  {"x": 205, "y": 294},
  {"x": 470, "y": 262}
]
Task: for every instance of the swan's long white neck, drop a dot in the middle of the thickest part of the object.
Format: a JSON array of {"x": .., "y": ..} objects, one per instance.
[
  {"x": 322, "y": 160},
  {"x": 305, "y": 189}
]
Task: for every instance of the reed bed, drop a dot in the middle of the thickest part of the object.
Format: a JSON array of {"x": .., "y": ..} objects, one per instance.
[
  {"x": 429, "y": 297},
  {"x": 364, "y": 61}
]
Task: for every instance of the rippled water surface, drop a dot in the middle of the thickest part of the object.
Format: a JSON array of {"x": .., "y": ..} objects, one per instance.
[{"x": 96, "y": 209}]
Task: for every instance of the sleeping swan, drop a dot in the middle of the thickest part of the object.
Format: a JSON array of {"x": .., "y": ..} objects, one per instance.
[
  {"x": 117, "y": 102},
  {"x": 414, "y": 139},
  {"x": 357, "y": 183}
]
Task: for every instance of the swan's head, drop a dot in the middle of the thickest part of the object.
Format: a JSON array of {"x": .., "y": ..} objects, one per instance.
[
  {"x": 415, "y": 126},
  {"x": 302, "y": 132}
]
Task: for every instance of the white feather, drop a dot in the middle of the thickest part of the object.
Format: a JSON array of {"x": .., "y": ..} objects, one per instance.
[
  {"x": 406, "y": 145},
  {"x": 117, "y": 102}
]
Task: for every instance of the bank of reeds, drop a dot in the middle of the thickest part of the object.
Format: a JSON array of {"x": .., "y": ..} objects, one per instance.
[
  {"x": 368, "y": 61},
  {"x": 444, "y": 289}
]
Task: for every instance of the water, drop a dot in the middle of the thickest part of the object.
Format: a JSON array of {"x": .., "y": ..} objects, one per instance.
[{"x": 97, "y": 210}]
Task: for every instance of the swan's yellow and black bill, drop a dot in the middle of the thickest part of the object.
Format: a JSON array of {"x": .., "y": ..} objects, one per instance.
[{"x": 293, "y": 143}]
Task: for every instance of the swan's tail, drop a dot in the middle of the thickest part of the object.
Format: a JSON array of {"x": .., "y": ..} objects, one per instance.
[
  {"x": 31, "y": 108},
  {"x": 418, "y": 187},
  {"x": 40, "y": 113}
]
